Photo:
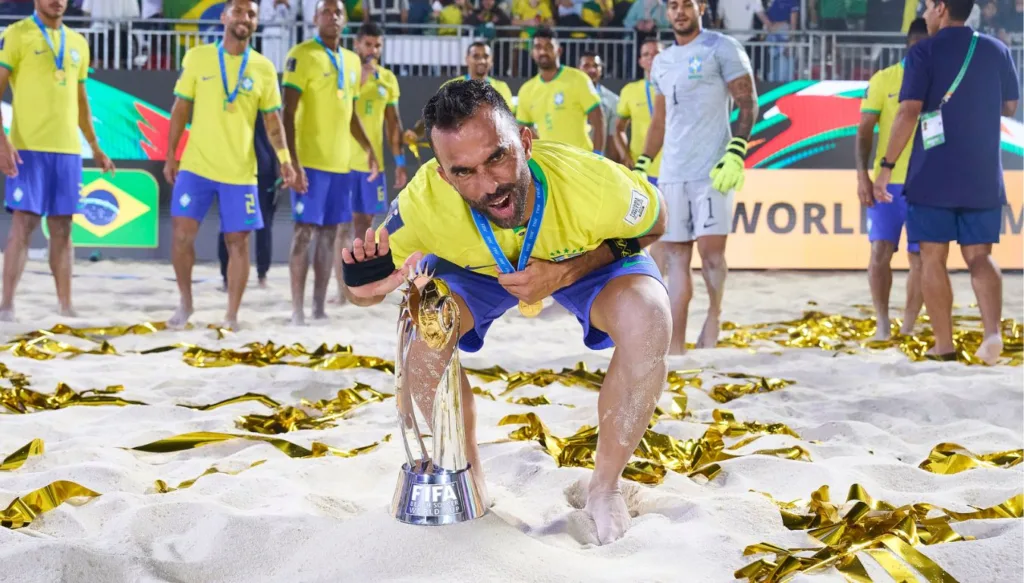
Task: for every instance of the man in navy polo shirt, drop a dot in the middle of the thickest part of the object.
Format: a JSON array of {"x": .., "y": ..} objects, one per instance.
[{"x": 958, "y": 84}]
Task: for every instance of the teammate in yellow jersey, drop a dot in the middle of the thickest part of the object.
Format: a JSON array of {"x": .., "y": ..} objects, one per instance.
[
  {"x": 320, "y": 83},
  {"x": 886, "y": 219},
  {"x": 46, "y": 64},
  {"x": 560, "y": 103},
  {"x": 222, "y": 88},
  {"x": 549, "y": 220},
  {"x": 376, "y": 106}
]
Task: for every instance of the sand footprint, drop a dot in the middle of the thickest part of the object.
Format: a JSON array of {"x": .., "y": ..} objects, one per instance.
[{"x": 579, "y": 525}]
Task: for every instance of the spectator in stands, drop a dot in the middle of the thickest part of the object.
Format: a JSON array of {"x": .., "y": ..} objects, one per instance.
[
  {"x": 532, "y": 14},
  {"x": 102, "y": 12},
  {"x": 829, "y": 15},
  {"x": 737, "y": 18},
  {"x": 886, "y": 15},
  {"x": 450, "y": 14},
  {"x": 646, "y": 17},
  {"x": 989, "y": 22},
  {"x": 570, "y": 13},
  {"x": 591, "y": 64},
  {"x": 277, "y": 18},
  {"x": 487, "y": 17},
  {"x": 1013, "y": 23},
  {"x": 781, "y": 17}
]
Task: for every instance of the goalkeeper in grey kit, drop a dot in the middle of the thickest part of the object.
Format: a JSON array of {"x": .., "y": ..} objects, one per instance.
[{"x": 702, "y": 162}]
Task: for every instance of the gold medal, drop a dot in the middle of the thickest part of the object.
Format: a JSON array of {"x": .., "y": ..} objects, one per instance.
[
  {"x": 230, "y": 107},
  {"x": 59, "y": 75},
  {"x": 530, "y": 310},
  {"x": 341, "y": 94}
]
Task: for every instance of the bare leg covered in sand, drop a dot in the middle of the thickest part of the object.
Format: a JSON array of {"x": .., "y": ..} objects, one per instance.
[
  {"x": 714, "y": 270},
  {"x": 677, "y": 257},
  {"x": 988, "y": 289},
  {"x": 183, "y": 256},
  {"x": 15, "y": 256},
  {"x": 342, "y": 240},
  {"x": 61, "y": 261},
  {"x": 238, "y": 274},
  {"x": 323, "y": 262},
  {"x": 938, "y": 295}
]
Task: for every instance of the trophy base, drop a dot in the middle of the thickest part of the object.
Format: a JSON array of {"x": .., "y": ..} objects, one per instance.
[{"x": 436, "y": 498}]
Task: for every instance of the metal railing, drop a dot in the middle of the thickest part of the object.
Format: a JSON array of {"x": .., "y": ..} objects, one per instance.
[{"x": 430, "y": 49}]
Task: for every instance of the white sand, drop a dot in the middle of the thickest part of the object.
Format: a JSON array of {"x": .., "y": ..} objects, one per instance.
[{"x": 876, "y": 418}]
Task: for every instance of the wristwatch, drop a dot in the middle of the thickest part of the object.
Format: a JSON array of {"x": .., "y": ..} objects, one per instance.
[{"x": 887, "y": 164}]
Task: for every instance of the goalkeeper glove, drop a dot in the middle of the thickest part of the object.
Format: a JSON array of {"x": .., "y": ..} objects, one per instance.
[
  {"x": 641, "y": 164},
  {"x": 728, "y": 173}
]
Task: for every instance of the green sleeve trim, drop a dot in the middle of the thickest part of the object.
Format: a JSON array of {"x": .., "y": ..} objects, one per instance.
[
  {"x": 393, "y": 104},
  {"x": 596, "y": 105},
  {"x": 7, "y": 66},
  {"x": 525, "y": 123},
  {"x": 271, "y": 110},
  {"x": 875, "y": 111},
  {"x": 657, "y": 211},
  {"x": 180, "y": 96},
  {"x": 292, "y": 86}
]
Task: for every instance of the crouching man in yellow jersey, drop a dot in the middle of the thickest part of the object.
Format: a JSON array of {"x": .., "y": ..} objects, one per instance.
[
  {"x": 46, "y": 64},
  {"x": 222, "y": 88},
  {"x": 504, "y": 220}
]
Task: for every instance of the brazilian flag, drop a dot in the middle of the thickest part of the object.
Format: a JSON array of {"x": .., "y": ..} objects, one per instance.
[{"x": 120, "y": 210}]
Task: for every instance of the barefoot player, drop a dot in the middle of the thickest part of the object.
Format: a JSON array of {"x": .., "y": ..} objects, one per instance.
[
  {"x": 222, "y": 88},
  {"x": 46, "y": 64},
  {"x": 507, "y": 221},
  {"x": 701, "y": 166},
  {"x": 320, "y": 83}
]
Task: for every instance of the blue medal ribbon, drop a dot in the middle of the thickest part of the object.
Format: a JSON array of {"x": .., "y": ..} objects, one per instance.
[
  {"x": 483, "y": 225},
  {"x": 233, "y": 94},
  {"x": 647, "y": 93},
  {"x": 58, "y": 56},
  {"x": 337, "y": 61}
]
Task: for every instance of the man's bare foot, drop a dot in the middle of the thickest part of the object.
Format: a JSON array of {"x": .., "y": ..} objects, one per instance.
[
  {"x": 298, "y": 318},
  {"x": 709, "y": 333},
  {"x": 223, "y": 287},
  {"x": 229, "y": 324},
  {"x": 610, "y": 514},
  {"x": 883, "y": 329},
  {"x": 674, "y": 350},
  {"x": 319, "y": 313},
  {"x": 990, "y": 350},
  {"x": 339, "y": 299},
  {"x": 263, "y": 283},
  {"x": 7, "y": 314},
  {"x": 907, "y": 329},
  {"x": 180, "y": 318},
  {"x": 67, "y": 312}
]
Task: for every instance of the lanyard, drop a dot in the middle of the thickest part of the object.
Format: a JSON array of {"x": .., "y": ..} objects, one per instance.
[
  {"x": 58, "y": 56},
  {"x": 231, "y": 95},
  {"x": 963, "y": 71},
  {"x": 337, "y": 61},
  {"x": 529, "y": 241},
  {"x": 647, "y": 93}
]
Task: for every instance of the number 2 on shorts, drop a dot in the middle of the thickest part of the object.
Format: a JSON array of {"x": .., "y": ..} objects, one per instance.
[{"x": 250, "y": 203}]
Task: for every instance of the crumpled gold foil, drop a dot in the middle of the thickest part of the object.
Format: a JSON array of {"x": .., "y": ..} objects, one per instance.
[
  {"x": 25, "y": 400},
  {"x": 484, "y": 393},
  {"x": 43, "y": 345},
  {"x": 677, "y": 379},
  {"x": 950, "y": 458},
  {"x": 24, "y": 509},
  {"x": 19, "y": 457},
  {"x": 348, "y": 399},
  {"x": 726, "y": 392},
  {"x": 324, "y": 357},
  {"x": 661, "y": 452},
  {"x": 200, "y": 438},
  {"x": 162, "y": 487},
  {"x": 258, "y": 397},
  {"x": 876, "y": 527},
  {"x": 579, "y": 376},
  {"x": 845, "y": 334},
  {"x": 537, "y": 401}
]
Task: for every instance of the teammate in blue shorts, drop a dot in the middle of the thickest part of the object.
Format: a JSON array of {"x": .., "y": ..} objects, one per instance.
[
  {"x": 46, "y": 64},
  {"x": 957, "y": 86}
]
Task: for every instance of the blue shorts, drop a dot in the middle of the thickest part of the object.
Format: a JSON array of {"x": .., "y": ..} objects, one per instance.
[
  {"x": 487, "y": 300},
  {"x": 238, "y": 204},
  {"x": 369, "y": 197},
  {"x": 653, "y": 180},
  {"x": 886, "y": 219},
  {"x": 934, "y": 224},
  {"x": 47, "y": 184},
  {"x": 326, "y": 202}
]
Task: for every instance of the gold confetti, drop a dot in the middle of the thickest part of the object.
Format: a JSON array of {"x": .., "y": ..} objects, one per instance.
[
  {"x": 162, "y": 487},
  {"x": 196, "y": 439},
  {"x": 724, "y": 393},
  {"x": 19, "y": 457},
  {"x": 876, "y": 527},
  {"x": 950, "y": 458},
  {"x": 484, "y": 393},
  {"x": 349, "y": 399},
  {"x": 537, "y": 401},
  {"x": 260, "y": 398},
  {"x": 24, "y": 509},
  {"x": 24, "y": 400},
  {"x": 324, "y": 357},
  {"x": 576, "y": 376}
]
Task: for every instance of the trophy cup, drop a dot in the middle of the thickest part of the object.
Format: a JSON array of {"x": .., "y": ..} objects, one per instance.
[{"x": 433, "y": 489}]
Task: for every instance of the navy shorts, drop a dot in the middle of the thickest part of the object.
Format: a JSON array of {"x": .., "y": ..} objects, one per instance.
[
  {"x": 326, "y": 201},
  {"x": 653, "y": 180},
  {"x": 934, "y": 224},
  {"x": 886, "y": 219},
  {"x": 238, "y": 204},
  {"x": 47, "y": 184},
  {"x": 487, "y": 300},
  {"x": 369, "y": 197}
]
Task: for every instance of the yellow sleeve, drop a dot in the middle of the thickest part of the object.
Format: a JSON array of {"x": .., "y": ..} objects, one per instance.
[
  {"x": 506, "y": 94},
  {"x": 185, "y": 88},
  {"x": 630, "y": 206},
  {"x": 623, "y": 108},
  {"x": 393, "y": 91},
  {"x": 523, "y": 107},
  {"x": 295, "y": 68},
  {"x": 874, "y": 99},
  {"x": 401, "y": 237},
  {"x": 10, "y": 48},
  {"x": 83, "y": 65},
  {"x": 270, "y": 99},
  {"x": 545, "y": 11},
  {"x": 587, "y": 94}
]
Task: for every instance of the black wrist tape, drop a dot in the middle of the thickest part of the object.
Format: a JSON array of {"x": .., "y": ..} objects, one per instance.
[
  {"x": 369, "y": 271},
  {"x": 738, "y": 146},
  {"x": 622, "y": 248}
]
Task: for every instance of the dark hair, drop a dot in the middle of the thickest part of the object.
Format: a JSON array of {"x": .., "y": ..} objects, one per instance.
[
  {"x": 959, "y": 10},
  {"x": 918, "y": 27},
  {"x": 457, "y": 101},
  {"x": 651, "y": 41},
  {"x": 590, "y": 54},
  {"x": 369, "y": 29},
  {"x": 476, "y": 44},
  {"x": 545, "y": 32}
]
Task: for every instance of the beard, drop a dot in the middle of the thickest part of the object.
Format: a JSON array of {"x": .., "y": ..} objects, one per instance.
[
  {"x": 685, "y": 30},
  {"x": 516, "y": 192},
  {"x": 240, "y": 31}
]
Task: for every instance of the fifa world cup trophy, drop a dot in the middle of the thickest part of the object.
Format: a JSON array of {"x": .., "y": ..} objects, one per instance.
[{"x": 435, "y": 485}]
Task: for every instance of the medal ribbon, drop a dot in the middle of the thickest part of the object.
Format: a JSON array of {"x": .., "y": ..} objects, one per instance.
[
  {"x": 58, "y": 56},
  {"x": 337, "y": 61},
  {"x": 231, "y": 95},
  {"x": 483, "y": 225},
  {"x": 647, "y": 93}
]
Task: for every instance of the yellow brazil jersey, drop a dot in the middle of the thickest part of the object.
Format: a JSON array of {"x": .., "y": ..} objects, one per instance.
[
  {"x": 310, "y": 71},
  {"x": 589, "y": 200},
  {"x": 636, "y": 103},
  {"x": 883, "y": 98},
  {"x": 373, "y": 96},
  {"x": 500, "y": 86},
  {"x": 45, "y": 106},
  {"x": 220, "y": 143},
  {"x": 558, "y": 108}
]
